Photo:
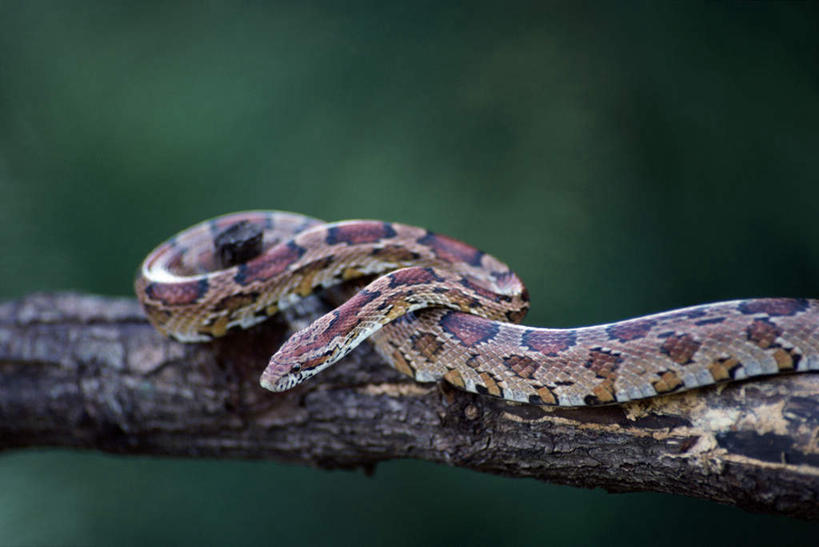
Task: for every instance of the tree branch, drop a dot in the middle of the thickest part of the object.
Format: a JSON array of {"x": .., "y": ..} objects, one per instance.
[{"x": 89, "y": 372}]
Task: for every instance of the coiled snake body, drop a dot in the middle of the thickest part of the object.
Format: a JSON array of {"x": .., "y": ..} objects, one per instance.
[{"x": 444, "y": 310}]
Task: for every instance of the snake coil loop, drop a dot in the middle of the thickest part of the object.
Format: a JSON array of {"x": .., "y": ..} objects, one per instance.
[{"x": 444, "y": 310}]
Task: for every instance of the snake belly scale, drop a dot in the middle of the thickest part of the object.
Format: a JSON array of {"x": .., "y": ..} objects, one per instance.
[{"x": 442, "y": 310}]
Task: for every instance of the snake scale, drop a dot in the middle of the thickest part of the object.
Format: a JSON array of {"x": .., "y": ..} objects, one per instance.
[{"x": 442, "y": 310}]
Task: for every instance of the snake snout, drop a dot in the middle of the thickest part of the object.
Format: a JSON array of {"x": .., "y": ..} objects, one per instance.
[
  {"x": 273, "y": 374},
  {"x": 289, "y": 367}
]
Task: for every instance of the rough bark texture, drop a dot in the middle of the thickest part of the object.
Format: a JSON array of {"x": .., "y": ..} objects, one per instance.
[{"x": 89, "y": 372}]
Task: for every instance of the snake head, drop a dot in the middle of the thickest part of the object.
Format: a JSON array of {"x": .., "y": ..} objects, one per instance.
[
  {"x": 283, "y": 375},
  {"x": 297, "y": 359},
  {"x": 312, "y": 349}
]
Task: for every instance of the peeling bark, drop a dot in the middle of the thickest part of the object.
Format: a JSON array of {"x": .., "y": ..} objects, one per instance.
[{"x": 89, "y": 372}]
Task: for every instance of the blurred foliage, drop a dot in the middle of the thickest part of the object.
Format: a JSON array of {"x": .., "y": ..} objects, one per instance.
[{"x": 623, "y": 158}]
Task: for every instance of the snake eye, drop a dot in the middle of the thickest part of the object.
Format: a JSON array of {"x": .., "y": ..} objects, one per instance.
[{"x": 295, "y": 368}]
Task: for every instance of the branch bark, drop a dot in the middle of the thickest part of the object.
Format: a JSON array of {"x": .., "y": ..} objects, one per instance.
[{"x": 89, "y": 372}]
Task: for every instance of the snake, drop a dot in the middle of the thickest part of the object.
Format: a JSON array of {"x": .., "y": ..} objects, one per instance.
[{"x": 438, "y": 309}]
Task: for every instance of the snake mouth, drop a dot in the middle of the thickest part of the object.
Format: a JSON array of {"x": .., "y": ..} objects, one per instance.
[
  {"x": 280, "y": 378},
  {"x": 284, "y": 383}
]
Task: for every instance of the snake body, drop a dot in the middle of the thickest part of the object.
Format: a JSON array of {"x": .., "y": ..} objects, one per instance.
[{"x": 442, "y": 310}]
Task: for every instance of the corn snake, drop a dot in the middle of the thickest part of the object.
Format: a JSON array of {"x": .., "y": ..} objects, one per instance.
[{"x": 443, "y": 310}]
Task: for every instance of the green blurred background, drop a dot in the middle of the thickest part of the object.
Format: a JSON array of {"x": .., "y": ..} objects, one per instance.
[{"x": 623, "y": 158}]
